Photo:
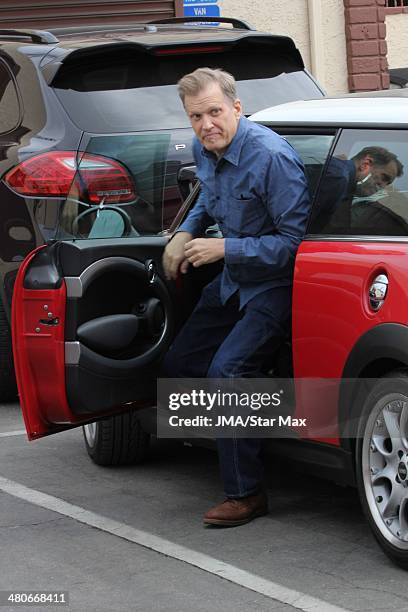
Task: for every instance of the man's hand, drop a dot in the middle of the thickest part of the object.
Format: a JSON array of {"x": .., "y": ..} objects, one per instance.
[
  {"x": 174, "y": 257},
  {"x": 202, "y": 251}
]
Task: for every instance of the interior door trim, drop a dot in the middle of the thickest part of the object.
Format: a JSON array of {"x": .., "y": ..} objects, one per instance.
[
  {"x": 77, "y": 285},
  {"x": 72, "y": 353}
]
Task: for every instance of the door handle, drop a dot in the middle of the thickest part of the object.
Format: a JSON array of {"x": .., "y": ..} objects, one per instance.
[{"x": 378, "y": 292}]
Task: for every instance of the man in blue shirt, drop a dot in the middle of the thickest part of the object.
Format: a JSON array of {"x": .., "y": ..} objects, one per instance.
[{"x": 253, "y": 186}]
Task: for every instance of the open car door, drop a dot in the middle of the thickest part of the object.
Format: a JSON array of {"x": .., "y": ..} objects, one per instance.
[{"x": 92, "y": 313}]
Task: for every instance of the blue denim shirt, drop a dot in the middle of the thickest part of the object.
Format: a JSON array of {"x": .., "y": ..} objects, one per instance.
[{"x": 258, "y": 194}]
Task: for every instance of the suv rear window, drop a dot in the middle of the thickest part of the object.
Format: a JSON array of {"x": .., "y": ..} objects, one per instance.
[
  {"x": 136, "y": 91},
  {"x": 131, "y": 69},
  {"x": 148, "y": 108}
]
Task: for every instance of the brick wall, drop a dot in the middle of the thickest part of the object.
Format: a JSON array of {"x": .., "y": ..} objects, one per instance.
[{"x": 366, "y": 45}]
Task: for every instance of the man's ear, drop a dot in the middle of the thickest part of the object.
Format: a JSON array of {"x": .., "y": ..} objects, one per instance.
[
  {"x": 237, "y": 107},
  {"x": 365, "y": 165}
]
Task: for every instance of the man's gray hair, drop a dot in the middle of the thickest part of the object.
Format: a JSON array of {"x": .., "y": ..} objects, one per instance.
[{"x": 191, "y": 84}]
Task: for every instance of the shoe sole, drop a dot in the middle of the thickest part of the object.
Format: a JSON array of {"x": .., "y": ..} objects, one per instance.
[{"x": 229, "y": 523}]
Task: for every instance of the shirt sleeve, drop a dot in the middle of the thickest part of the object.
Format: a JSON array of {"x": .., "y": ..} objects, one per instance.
[{"x": 285, "y": 193}]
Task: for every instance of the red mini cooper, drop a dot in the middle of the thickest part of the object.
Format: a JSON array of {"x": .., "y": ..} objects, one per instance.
[{"x": 93, "y": 314}]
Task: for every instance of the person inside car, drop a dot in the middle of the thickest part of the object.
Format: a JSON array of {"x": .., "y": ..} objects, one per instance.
[
  {"x": 254, "y": 188},
  {"x": 349, "y": 181}
]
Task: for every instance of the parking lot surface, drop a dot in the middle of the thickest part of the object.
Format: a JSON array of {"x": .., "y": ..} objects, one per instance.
[{"x": 132, "y": 538}]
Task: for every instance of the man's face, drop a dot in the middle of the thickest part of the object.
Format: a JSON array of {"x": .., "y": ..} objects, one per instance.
[
  {"x": 372, "y": 177},
  {"x": 214, "y": 118}
]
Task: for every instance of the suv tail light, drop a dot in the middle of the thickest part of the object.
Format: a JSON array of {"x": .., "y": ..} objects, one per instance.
[{"x": 56, "y": 174}]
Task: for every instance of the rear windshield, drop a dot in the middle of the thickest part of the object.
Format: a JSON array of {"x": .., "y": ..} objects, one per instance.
[
  {"x": 154, "y": 108},
  {"x": 126, "y": 91}
]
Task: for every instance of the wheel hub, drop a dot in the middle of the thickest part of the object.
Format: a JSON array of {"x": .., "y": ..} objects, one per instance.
[{"x": 402, "y": 471}]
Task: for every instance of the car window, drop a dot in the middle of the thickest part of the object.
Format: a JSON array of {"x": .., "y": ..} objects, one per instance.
[
  {"x": 124, "y": 186},
  {"x": 9, "y": 103},
  {"x": 364, "y": 190},
  {"x": 125, "y": 109},
  {"x": 313, "y": 150}
]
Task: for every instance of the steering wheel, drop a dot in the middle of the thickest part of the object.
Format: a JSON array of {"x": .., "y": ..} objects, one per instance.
[{"x": 108, "y": 227}]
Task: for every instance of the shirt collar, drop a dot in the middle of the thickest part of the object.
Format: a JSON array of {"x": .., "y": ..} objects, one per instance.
[{"x": 233, "y": 152}]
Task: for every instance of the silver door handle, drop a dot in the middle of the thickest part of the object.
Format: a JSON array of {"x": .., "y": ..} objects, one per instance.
[{"x": 378, "y": 291}]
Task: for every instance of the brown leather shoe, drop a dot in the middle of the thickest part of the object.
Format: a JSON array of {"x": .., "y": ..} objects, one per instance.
[{"x": 233, "y": 512}]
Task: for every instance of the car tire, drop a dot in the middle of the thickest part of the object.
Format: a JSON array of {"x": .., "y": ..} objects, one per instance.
[
  {"x": 119, "y": 440},
  {"x": 8, "y": 387},
  {"x": 382, "y": 464}
]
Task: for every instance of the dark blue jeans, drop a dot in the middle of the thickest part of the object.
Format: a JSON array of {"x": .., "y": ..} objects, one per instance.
[{"x": 220, "y": 341}]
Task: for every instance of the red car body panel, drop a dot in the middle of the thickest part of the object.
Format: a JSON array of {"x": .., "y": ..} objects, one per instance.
[
  {"x": 39, "y": 356},
  {"x": 331, "y": 312}
]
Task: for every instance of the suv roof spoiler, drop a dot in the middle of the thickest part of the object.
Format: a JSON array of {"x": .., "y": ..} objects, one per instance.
[
  {"x": 36, "y": 36},
  {"x": 236, "y": 23}
]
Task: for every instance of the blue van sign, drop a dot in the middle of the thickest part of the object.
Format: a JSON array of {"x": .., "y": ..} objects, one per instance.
[{"x": 202, "y": 11}]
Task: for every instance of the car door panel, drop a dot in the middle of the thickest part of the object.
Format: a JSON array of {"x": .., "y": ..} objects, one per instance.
[
  {"x": 331, "y": 312},
  {"x": 63, "y": 382}
]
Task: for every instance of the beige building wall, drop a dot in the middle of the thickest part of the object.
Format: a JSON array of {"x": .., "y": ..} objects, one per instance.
[
  {"x": 397, "y": 40},
  {"x": 292, "y": 19},
  {"x": 334, "y": 50}
]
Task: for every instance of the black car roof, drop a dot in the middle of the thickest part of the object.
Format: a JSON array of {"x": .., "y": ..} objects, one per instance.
[
  {"x": 165, "y": 36},
  {"x": 145, "y": 34}
]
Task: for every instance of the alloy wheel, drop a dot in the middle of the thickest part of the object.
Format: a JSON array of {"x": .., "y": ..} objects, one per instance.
[{"x": 385, "y": 467}]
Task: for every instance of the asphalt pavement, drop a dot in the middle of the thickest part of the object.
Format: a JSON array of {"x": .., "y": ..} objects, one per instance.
[{"x": 119, "y": 539}]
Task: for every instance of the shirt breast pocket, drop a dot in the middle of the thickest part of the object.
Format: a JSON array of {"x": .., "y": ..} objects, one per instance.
[{"x": 245, "y": 216}]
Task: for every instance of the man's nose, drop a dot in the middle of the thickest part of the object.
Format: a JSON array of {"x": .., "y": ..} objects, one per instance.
[{"x": 207, "y": 122}]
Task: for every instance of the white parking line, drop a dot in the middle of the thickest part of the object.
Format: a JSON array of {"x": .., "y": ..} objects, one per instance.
[
  {"x": 160, "y": 545},
  {"x": 18, "y": 432}
]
